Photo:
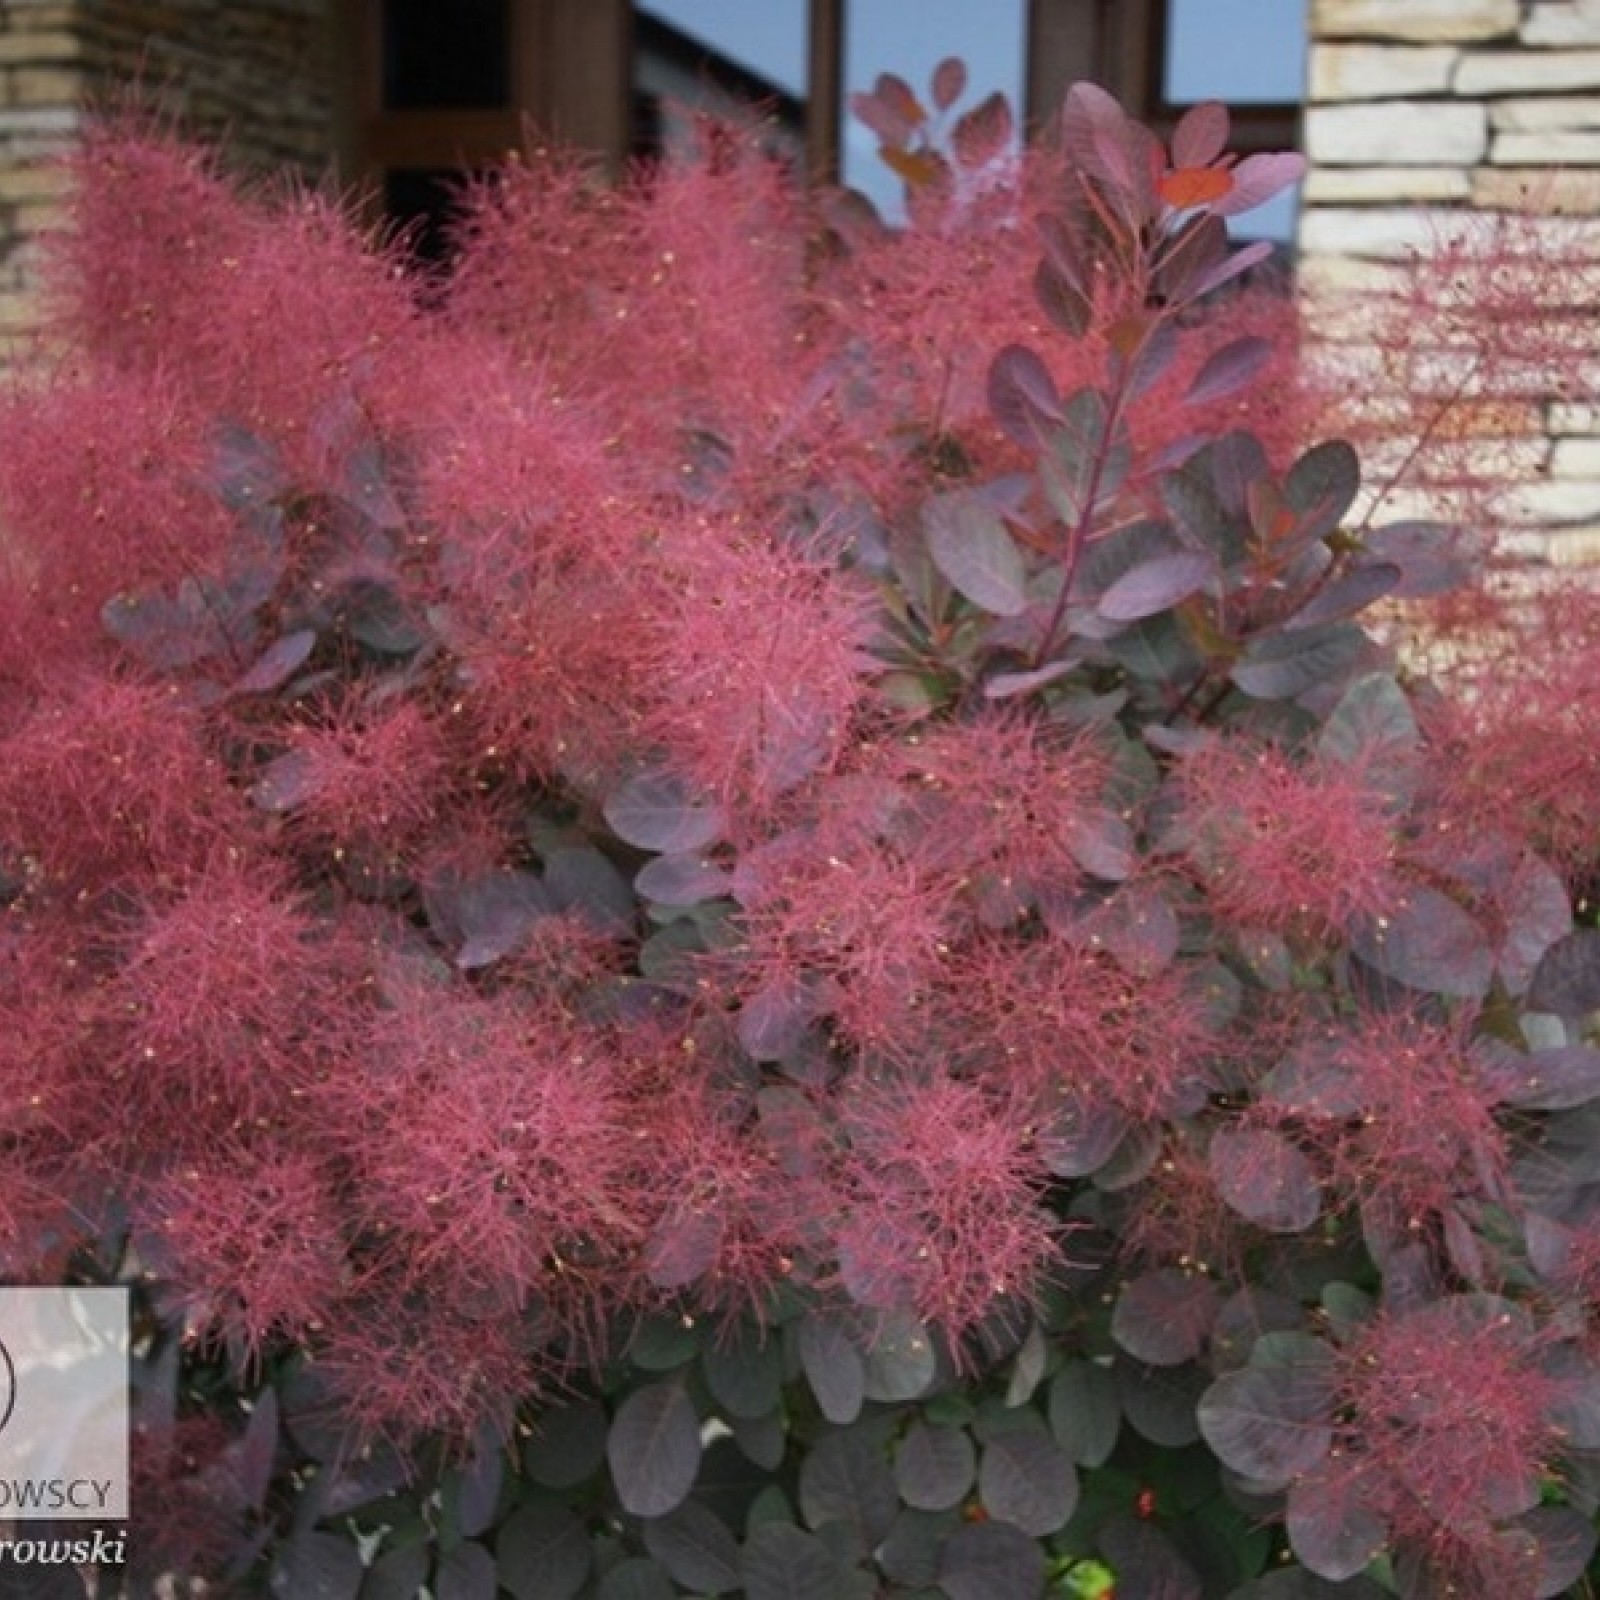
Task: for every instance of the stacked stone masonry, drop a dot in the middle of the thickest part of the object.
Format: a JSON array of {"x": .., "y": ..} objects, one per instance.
[
  {"x": 257, "y": 75},
  {"x": 1427, "y": 123}
]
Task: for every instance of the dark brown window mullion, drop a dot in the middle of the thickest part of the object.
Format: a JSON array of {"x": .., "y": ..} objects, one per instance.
[{"x": 824, "y": 89}]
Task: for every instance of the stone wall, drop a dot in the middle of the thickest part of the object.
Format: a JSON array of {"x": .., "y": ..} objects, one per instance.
[
  {"x": 1426, "y": 120},
  {"x": 260, "y": 76}
]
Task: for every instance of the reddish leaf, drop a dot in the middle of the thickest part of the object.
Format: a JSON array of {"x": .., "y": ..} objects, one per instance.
[
  {"x": 1226, "y": 271},
  {"x": 1430, "y": 943},
  {"x": 934, "y": 1466},
  {"x": 1201, "y": 135},
  {"x": 881, "y": 119},
  {"x": 682, "y": 1249},
  {"x": 656, "y": 811},
  {"x": 983, "y": 1560},
  {"x": 1321, "y": 487},
  {"x": 1028, "y": 1480},
  {"x": 1269, "y": 1420},
  {"x": 984, "y": 132},
  {"x": 1346, "y": 596},
  {"x": 949, "y": 82},
  {"x": 1433, "y": 557},
  {"x": 1188, "y": 187},
  {"x": 1022, "y": 395},
  {"x": 1258, "y": 178},
  {"x": 898, "y": 95},
  {"x": 277, "y": 664},
  {"x": 1229, "y": 370}
]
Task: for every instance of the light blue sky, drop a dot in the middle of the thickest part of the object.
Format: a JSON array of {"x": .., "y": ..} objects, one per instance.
[{"x": 1232, "y": 50}]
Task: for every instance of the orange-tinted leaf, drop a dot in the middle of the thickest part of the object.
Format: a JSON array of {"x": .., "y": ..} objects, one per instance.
[
  {"x": 895, "y": 93},
  {"x": 1127, "y": 335},
  {"x": 919, "y": 167},
  {"x": 1184, "y": 187}
]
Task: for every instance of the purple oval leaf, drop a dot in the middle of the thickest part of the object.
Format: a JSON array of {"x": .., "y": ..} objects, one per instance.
[
  {"x": 1156, "y": 585},
  {"x": 1265, "y": 1179},
  {"x": 1349, "y": 593},
  {"x": 949, "y": 82},
  {"x": 1022, "y": 395},
  {"x": 657, "y": 811},
  {"x": 653, "y": 1449},
  {"x": 983, "y": 1560},
  {"x": 1201, "y": 134},
  {"x": 1331, "y": 1529},
  {"x": 1430, "y": 943},
  {"x": 782, "y": 1562},
  {"x": 1027, "y": 1479},
  {"x": 696, "y": 1547},
  {"x": 1270, "y": 1419},
  {"x": 971, "y": 547},
  {"x": 934, "y": 1466},
  {"x": 276, "y": 665},
  {"x": 1228, "y": 370},
  {"x": 1164, "y": 1317}
]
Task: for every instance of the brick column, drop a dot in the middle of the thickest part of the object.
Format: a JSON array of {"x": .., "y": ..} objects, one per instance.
[
  {"x": 1422, "y": 113},
  {"x": 260, "y": 77}
]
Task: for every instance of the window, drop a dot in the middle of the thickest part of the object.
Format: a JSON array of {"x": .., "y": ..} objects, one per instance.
[
  {"x": 1251, "y": 55},
  {"x": 447, "y": 87}
]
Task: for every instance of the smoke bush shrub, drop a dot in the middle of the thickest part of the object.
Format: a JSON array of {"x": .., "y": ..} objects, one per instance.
[{"x": 736, "y": 905}]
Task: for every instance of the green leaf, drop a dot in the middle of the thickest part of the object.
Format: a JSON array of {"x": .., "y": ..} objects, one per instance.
[{"x": 971, "y": 547}]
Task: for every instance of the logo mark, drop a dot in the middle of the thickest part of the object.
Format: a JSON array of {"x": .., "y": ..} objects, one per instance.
[{"x": 8, "y": 1386}]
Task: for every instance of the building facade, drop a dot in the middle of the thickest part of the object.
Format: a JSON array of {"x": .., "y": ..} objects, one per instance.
[{"x": 1414, "y": 112}]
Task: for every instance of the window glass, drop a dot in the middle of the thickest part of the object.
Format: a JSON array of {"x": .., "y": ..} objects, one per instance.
[
  {"x": 1243, "y": 52},
  {"x": 766, "y": 38},
  {"x": 910, "y": 41},
  {"x": 720, "y": 56},
  {"x": 446, "y": 57}
]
